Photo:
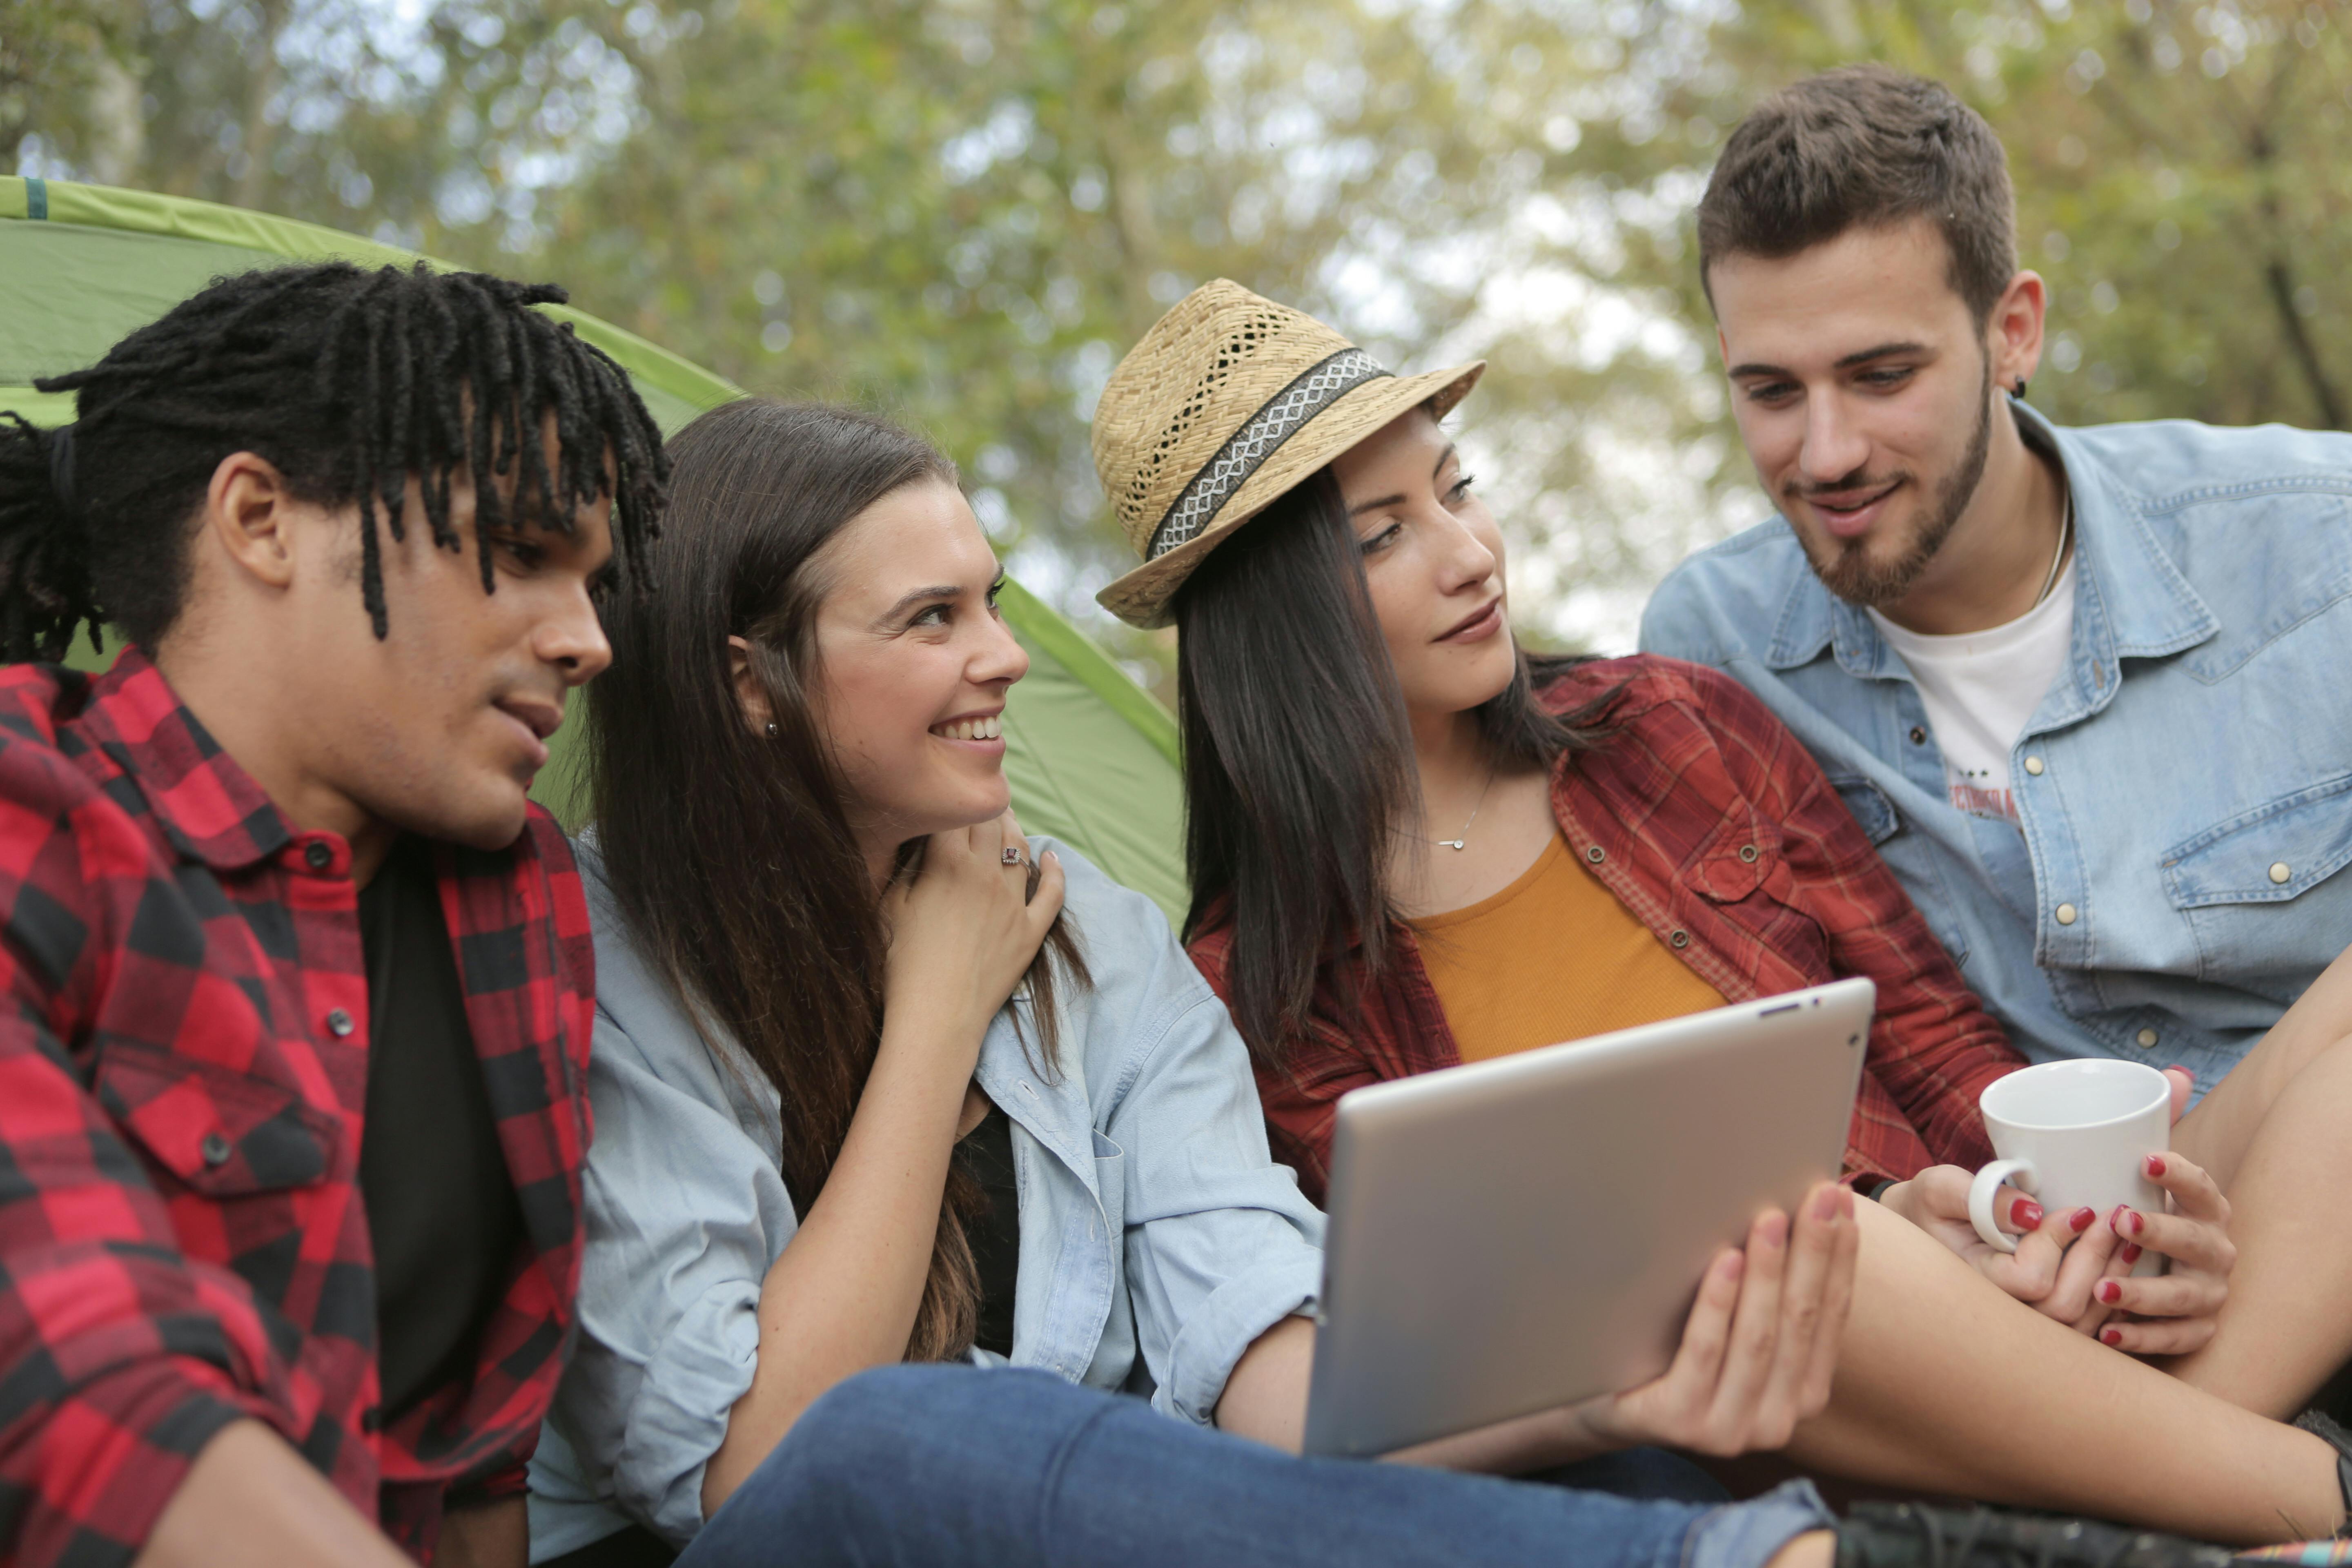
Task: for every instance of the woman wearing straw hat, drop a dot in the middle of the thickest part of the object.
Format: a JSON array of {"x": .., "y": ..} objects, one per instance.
[{"x": 1412, "y": 845}]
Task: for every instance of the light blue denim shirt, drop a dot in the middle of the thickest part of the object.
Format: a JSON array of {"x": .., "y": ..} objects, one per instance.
[
  {"x": 1158, "y": 1237},
  {"x": 2185, "y": 789}
]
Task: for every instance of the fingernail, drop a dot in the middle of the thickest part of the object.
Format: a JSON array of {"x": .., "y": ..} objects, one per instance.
[
  {"x": 2025, "y": 1213},
  {"x": 2138, "y": 1222},
  {"x": 2155, "y": 1165},
  {"x": 1825, "y": 1203},
  {"x": 2191, "y": 1072},
  {"x": 2081, "y": 1220},
  {"x": 2115, "y": 1218},
  {"x": 2111, "y": 1336},
  {"x": 2110, "y": 1292},
  {"x": 2131, "y": 1252}
]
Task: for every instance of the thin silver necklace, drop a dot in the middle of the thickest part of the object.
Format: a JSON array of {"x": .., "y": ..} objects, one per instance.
[
  {"x": 1462, "y": 840},
  {"x": 2065, "y": 537}
]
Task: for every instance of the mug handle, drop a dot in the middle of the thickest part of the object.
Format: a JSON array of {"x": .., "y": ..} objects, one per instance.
[{"x": 2020, "y": 1172}]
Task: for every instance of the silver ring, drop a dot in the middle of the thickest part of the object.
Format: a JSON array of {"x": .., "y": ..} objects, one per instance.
[{"x": 1016, "y": 855}]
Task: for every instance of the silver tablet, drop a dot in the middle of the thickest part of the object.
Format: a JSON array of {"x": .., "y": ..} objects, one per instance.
[{"x": 1517, "y": 1233}]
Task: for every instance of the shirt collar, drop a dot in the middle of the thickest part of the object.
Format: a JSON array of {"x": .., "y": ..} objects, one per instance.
[
  {"x": 2130, "y": 600},
  {"x": 211, "y": 809}
]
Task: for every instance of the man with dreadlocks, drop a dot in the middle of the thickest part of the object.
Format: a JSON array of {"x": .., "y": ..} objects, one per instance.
[{"x": 295, "y": 982}]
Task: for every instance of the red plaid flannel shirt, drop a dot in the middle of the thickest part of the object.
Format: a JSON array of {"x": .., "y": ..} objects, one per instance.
[
  {"x": 1698, "y": 774},
  {"x": 183, "y": 1058}
]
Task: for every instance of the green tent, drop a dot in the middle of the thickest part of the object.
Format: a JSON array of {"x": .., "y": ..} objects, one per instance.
[{"x": 1091, "y": 756}]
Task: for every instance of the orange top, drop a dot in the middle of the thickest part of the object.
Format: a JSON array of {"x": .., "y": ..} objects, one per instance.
[{"x": 1552, "y": 957}]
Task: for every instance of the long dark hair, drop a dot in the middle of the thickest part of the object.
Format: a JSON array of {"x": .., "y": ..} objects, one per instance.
[
  {"x": 730, "y": 852},
  {"x": 348, "y": 381},
  {"x": 1298, "y": 765}
]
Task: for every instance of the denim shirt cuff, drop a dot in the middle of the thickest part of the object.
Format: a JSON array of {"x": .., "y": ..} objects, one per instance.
[
  {"x": 1750, "y": 1534},
  {"x": 1217, "y": 1333},
  {"x": 679, "y": 1418}
]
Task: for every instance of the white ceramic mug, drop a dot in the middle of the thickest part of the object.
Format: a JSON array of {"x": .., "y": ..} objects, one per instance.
[{"x": 2075, "y": 1134}]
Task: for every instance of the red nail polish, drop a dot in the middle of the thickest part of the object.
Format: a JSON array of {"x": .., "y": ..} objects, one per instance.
[
  {"x": 2131, "y": 1252},
  {"x": 2111, "y": 1336},
  {"x": 2138, "y": 1222},
  {"x": 2025, "y": 1213},
  {"x": 2155, "y": 1165},
  {"x": 2110, "y": 1292},
  {"x": 2081, "y": 1220}
]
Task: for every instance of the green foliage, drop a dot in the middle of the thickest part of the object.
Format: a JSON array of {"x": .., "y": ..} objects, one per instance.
[{"x": 963, "y": 210}]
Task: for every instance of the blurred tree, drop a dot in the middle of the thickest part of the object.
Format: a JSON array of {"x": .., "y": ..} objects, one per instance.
[{"x": 964, "y": 210}]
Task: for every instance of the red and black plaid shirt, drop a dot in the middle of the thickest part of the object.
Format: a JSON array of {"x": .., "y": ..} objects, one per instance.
[
  {"x": 1698, "y": 774},
  {"x": 184, "y": 1063}
]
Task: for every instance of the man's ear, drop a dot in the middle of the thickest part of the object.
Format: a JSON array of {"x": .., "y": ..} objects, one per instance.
[
  {"x": 748, "y": 697},
  {"x": 2013, "y": 330},
  {"x": 250, "y": 511}
]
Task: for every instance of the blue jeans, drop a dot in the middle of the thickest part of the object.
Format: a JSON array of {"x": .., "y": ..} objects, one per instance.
[{"x": 914, "y": 1466}]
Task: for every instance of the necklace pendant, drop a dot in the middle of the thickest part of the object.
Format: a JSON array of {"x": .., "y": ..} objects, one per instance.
[{"x": 1454, "y": 843}]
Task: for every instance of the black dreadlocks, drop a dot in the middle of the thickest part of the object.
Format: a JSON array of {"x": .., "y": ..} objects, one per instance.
[{"x": 348, "y": 381}]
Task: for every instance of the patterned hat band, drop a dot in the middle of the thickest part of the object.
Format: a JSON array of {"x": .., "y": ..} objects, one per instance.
[{"x": 1282, "y": 417}]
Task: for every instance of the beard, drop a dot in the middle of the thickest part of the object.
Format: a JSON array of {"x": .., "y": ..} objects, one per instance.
[{"x": 1844, "y": 566}]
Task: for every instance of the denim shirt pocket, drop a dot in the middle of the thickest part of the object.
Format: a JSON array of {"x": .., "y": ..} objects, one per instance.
[
  {"x": 2231, "y": 881},
  {"x": 1871, "y": 808},
  {"x": 221, "y": 1133}
]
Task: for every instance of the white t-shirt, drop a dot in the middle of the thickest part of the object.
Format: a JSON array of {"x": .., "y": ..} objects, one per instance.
[{"x": 1980, "y": 689}]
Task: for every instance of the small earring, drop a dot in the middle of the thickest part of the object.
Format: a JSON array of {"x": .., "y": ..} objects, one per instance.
[
  {"x": 772, "y": 730},
  {"x": 2020, "y": 388}
]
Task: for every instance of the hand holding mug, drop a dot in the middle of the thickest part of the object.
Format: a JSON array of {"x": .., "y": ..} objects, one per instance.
[
  {"x": 2175, "y": 1313},
  {"x": 2055, "y": 1259},
  {"x": 2087, "y": 1139}
]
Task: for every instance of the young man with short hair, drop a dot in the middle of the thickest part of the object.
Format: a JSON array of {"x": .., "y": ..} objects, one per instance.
[
  {"x": 2077, "y": 684},
  {"x": 299, "y": 981}
]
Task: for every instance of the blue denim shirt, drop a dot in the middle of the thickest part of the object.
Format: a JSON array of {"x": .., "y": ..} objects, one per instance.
[
  {"x": 2190, "y": 797},
  {"x": 1158, "y": 1237}
]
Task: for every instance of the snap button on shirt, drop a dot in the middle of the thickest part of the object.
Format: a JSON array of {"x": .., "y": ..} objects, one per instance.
[
  {"x": 339, "y": 1023},
  {"x": 319, "y": 857},
  {"x": 1596, "y": 855},
  {"x": 2146, "y": 1038},
  {"x": 2065, "y": 913},
  {"x": 2281, "y": 872},
  {"x": 2033, "y": 766},
  {"x": 214, "y": 1149}
]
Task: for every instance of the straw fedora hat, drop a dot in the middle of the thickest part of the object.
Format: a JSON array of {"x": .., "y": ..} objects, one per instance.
[{"x": 1225, "y": 403}]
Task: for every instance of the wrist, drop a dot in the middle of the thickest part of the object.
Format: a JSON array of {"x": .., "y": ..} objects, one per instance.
[{"x": 932, "y": 1018}]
